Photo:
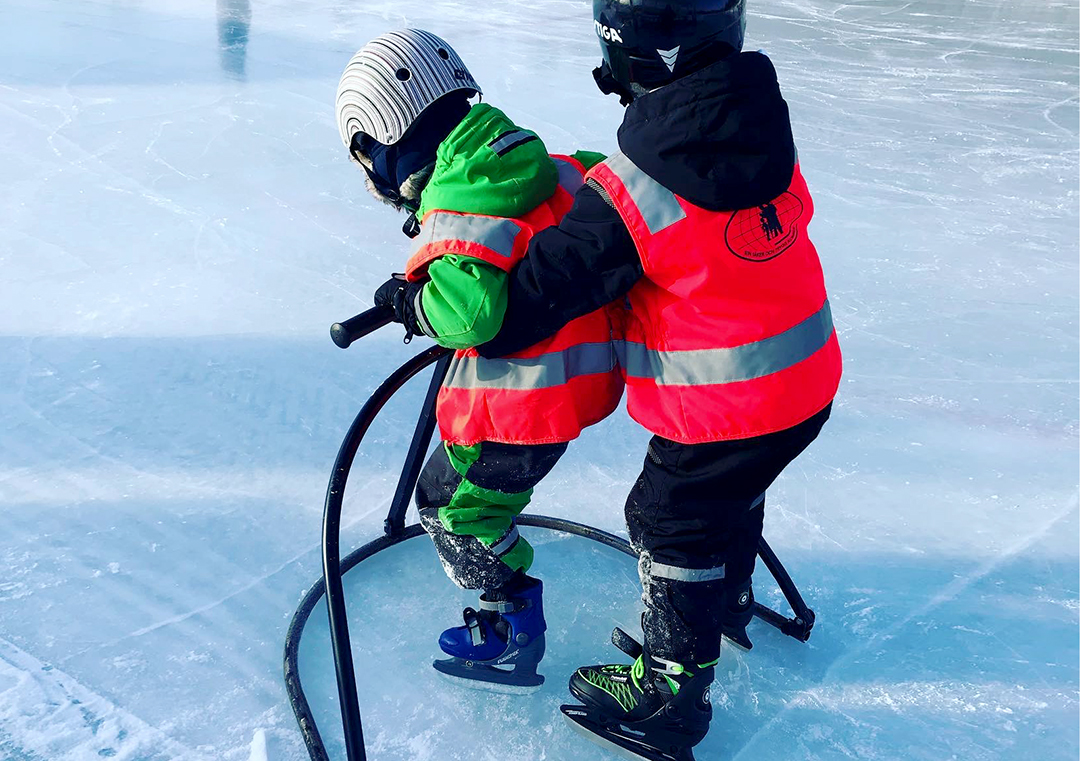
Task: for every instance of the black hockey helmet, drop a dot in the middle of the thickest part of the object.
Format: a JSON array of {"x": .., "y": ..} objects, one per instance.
[{"x": 653, "y": 42}]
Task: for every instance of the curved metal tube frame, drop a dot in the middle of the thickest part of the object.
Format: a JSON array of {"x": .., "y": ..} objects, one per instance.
[{"x": 396, "y": 532}]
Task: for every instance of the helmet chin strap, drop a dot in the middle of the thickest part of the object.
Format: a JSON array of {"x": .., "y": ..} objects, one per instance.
[{"x": 608, "y": 85}]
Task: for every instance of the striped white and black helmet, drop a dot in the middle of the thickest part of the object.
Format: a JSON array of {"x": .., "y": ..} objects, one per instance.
[{"x": 393, "y": 79}]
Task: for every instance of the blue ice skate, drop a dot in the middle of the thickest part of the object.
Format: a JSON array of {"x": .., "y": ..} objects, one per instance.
[{"x": 500, "y": 645}]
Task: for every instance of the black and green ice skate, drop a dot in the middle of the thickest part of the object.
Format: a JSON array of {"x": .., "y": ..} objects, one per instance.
[{"x": 654, "y": 709}]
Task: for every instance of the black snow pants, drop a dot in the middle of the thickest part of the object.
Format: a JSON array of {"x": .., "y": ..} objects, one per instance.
[{"x": 695, "y": 517}]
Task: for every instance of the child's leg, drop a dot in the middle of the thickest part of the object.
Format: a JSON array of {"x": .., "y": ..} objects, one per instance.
[
  {"x": 695, "y": 514},
  {"x": 468, "y": 498}
]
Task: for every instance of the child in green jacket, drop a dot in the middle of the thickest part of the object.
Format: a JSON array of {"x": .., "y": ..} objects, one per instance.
[{"x": 477, "y": 188}]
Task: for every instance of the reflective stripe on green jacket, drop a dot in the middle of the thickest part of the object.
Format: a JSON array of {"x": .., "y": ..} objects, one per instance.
[{"x": 465, "y": 299}]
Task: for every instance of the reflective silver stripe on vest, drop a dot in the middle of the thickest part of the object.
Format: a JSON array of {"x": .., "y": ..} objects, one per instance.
[
  {"x": 495, "y": 233},
  {"x": 662, "y": 571},
  {"x": 657, "y": 205},
  {"x": 570, "y": 178},
  {"x": 503, "y": 545},
  {"x": 546, "y": 371},
  {"x": 705, "y": 367}
]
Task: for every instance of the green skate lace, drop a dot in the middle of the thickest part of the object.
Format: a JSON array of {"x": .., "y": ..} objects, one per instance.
[{"x": 621, "y": 691}]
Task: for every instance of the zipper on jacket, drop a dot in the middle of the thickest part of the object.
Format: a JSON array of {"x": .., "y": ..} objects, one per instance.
[{"x": 600, "y": 189}]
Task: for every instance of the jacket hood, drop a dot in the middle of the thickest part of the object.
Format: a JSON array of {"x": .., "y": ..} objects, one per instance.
[
  {"x": 473, "y": 177},
  {"x": 720, "y": 138}
]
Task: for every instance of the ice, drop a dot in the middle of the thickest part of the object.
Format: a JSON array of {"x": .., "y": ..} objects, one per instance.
[
  {"x": 258, "y": 746},
  {"x": 179, "y": 226}
]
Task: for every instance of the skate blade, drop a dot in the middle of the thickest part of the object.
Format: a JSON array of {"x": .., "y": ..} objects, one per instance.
[
  {"x": 497, "y": 687},
  {"x": 742, "y": 643},
  {"x": 645, "y": 753},
  {"x": 482, "y": 679}
]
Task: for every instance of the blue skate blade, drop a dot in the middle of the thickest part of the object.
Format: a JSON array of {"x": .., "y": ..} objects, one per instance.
[
  {"x": 501, "y": 689},
  {"x": 488, "y": 678}
]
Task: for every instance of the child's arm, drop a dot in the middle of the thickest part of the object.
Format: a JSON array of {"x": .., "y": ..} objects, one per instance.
[
  {"x": 586, "y": 261},
  {"x": 463, "y": 302}
]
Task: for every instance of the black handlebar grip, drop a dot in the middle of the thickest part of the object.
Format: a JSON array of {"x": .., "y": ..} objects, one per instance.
[{"x": 355, "y": 328}]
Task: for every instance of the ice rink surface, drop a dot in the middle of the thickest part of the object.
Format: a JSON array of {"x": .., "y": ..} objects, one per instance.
[{"x": 179, "y": 225}]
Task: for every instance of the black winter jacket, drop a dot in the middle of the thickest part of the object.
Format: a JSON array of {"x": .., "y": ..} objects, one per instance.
[{"x": 719, "y": 138}]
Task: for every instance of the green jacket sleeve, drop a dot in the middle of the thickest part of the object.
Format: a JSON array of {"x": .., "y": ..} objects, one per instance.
[{"x": 464, "y": 302}]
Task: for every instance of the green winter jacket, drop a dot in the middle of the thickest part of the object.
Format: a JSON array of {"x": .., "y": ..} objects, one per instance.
[{"x": 465, "y": 298}]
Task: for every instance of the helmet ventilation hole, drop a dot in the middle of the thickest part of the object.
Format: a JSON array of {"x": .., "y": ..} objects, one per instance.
[
  {"x": 403, "y": 74},
  {"x": 443, "y": 54}
]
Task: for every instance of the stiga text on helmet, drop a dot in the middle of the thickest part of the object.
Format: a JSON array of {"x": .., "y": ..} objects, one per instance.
[{"x": 607, "y": 33}]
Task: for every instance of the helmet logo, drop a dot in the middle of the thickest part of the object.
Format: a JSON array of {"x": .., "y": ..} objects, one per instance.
[
  {"x": 670, "y": 57},
  {"x": 607, "y": 33}
]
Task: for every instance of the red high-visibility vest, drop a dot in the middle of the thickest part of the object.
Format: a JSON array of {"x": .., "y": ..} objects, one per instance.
[
  {"x": 729, "y": 334},
  {"x": 547, "y": 393}
]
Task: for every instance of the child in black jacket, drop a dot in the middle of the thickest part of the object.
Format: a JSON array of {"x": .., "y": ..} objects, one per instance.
[{"x": 728, "y": 348}]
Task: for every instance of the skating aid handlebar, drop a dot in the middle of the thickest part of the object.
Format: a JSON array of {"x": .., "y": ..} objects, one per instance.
[{"x": 344, "y": 334}]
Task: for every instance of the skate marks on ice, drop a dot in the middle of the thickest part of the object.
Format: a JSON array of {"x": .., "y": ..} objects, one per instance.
[
  {"x": 940, "y": 139},
  {"x": 154, "y": 550},
  {"x": 46, "y": 715},
  {"x": 929, "y": 660},
  {"x": 911, "y": 658},
  {"x": 940, "y": 136}
]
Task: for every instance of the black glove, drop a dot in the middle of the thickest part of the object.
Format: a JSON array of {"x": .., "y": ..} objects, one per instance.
[{"x": 400, "y": 295}]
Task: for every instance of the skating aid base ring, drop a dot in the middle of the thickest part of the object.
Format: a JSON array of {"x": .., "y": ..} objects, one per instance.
[{"x": 397, "y": 532}]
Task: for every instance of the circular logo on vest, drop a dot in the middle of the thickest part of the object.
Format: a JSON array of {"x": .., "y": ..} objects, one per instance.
[{"x": 764, "y": 232}]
